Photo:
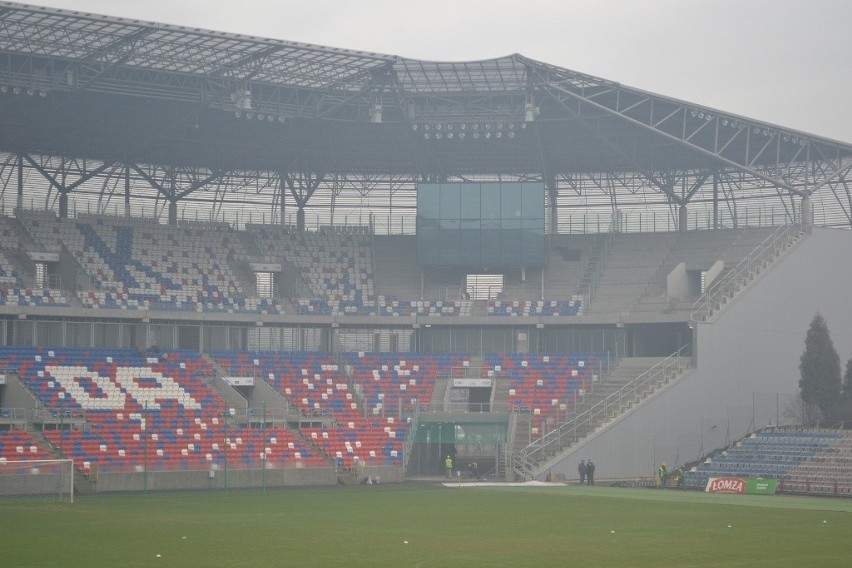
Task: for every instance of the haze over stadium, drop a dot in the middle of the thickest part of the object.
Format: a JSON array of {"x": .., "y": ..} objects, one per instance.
[
  {"x": 781, "y": 61},
  {"x": 469, "y": 235}
]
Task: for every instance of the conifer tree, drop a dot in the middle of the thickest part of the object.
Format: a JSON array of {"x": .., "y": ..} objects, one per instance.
[{"x": 820, "y": 368}]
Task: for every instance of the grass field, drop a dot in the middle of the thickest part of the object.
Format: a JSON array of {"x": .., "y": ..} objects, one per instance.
[{"x": 443, "y": 527}]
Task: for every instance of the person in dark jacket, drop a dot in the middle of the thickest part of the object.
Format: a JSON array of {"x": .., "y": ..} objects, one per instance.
[
  {"x": 590, "y": 472},
  {"x": 581, "y": 469}
]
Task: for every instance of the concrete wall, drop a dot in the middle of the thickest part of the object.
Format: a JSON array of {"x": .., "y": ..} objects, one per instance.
[
  {"x": 713, "y": 272},
  {"x": 236, "y": 479},
  {"x": 677, "y": 283},
  {"x": 746, "y": 366}
]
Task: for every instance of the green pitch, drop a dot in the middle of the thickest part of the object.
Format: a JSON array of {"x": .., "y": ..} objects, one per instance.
[{"x": 424, "y": 526}]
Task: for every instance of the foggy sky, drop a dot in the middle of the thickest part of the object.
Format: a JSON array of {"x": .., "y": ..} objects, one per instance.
[{"x": 786, "y": 62}]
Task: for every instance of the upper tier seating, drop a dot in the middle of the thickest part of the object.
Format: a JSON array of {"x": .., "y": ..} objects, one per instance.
[
  {"x": 336, "y": 264},
  {"x": 12, "y": 288},
  {"x": 547, "y": 308},
  {"x": 136, "y": 264},
  {"x": 548, "y": 386},
  {"x": 392, "y": 306}
]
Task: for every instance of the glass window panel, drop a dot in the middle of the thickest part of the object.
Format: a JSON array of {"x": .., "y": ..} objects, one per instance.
[
  {"x": 428, "y": 201},
  {"x": 448, "y": 248},
  {"x": 450, "y": 201},
  {"x": 469, "y": 247},
  {"x": 78, "y": 334},
  {"x": 161, "y": 336},
  {"x": 215, "y": 338},
  {"x": 511, "y": 200},
  {"x": 469, "y": 201},
  {"x": 106, "y": 334},
  {"x": 23, "y": 332},
  {"x": 532, "y": 195},
  {"x": 511, "y": 247},
  {"x": 49, "y": 333},
  {"x": 532, "y": 247},
  {"x": 490, "y": 202}
]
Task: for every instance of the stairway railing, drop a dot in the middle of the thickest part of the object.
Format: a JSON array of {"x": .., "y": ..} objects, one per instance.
[
  {"x": 728, "y": 282},
  {"x": 529, "y": 460}
]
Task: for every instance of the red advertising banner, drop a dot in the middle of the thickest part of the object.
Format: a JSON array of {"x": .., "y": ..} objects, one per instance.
[{"x": 726, "y": 485}]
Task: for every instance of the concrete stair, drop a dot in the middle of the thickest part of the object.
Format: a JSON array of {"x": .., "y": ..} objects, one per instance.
[{"x": 609, "y": 399}]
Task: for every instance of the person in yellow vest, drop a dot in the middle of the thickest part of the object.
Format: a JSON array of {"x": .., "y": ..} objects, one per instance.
[
  {"x": 448, "y": 463},
  {"x": 663, "y": 475}
]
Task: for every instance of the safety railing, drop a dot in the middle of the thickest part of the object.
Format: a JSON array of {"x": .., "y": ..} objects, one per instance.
[
  {"x": 727, "y": 284},
  {"x": 528, "y": 461}
]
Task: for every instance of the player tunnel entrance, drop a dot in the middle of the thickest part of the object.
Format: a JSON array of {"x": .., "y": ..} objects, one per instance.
[{"x": 467, "y": 438}]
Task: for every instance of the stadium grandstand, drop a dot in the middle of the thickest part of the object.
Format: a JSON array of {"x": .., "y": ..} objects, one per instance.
[{"x": 231, "y": 261}]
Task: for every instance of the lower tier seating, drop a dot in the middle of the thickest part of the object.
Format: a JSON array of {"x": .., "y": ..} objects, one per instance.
[
  {"x": 802, "y": 460},
  {"x": 18, "y": 445}
]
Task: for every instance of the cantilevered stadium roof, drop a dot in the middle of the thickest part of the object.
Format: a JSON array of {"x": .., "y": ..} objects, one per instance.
[{"x": 189, "y": 109}]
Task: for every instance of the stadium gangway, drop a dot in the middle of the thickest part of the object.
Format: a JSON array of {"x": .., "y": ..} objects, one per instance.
[
  {"x": 729, "y": 282},
  {"x": 529, "y": 458}
]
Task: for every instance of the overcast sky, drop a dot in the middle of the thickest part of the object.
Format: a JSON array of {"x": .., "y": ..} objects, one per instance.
[{"x": 788, "y": 62}]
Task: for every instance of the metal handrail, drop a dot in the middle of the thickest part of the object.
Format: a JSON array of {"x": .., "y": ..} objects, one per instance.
[
  {"x": 13, "y": 413},
  {"x": 602, "y": 409},
  {"x": 728, "y": 282}
]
